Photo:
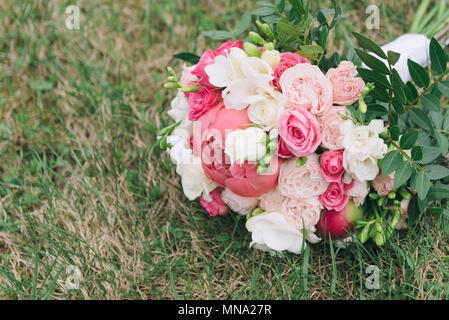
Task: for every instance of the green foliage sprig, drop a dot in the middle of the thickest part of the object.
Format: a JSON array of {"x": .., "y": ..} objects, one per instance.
[{"x": 417, "y": 123}]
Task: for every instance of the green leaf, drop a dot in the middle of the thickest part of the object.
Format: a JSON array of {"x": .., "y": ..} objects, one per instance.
[
  {"x": 187, "y": 56},
  {"x": 421, "y": 183},
  {"x": 431, "y": 102},
  {"x": 446, "y": 122},
  {"x": 377, "y": 109},
  {"x": 420, "y": 118},
  {"x": 436, "y": 172},
  {"x": 418, "y": 74},
  {"x": 398, "y": 105},
  {"x": 372, "y": 62},
  {"x": 264, "y": 4},
  {"x": 395, "y": 132},
  {"x": 273, "y": 19},
  {"x": 442, "y": 142},
  {"x": 372, "y": 76},
  {"x": 410, "y": 92},
  {"x": 396, "y": 79},
  {"x": 438, "y": 193},
  {"x": 437, "y": 119},
  {"x": 413, "y": 211},
  {"x": 391, "y": 162},
  {"x": 443, "y": 86},
  {"x": 263, "y": 11},
  {"x": 380, "y": 94},
  {"x": 312, "y": 49},
  {"x": 402, "y": 174},
  {"x": 369, "y": 45},
  {"x": 284, "y": 27},
  {"x": 408, "y": 139},
  {"x": 301, "y": 161},
  {"x": 430, "y": 154},
  {"x": 438, "y": 57},
  {"x": 218, "y": 34},
  {"x": 393, "y": 57},
  {"x": 416, "y": 153},
  {"x": 242, "y": 25}
]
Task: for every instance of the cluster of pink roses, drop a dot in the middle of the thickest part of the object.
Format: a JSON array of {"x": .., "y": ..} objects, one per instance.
[{"x": 307, "y": 172}]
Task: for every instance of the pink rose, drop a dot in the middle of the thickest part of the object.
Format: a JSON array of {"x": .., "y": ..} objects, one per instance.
[
  {"x": 300, "y": 131},
  {"x": 334, "y": 198},
  {"x": 305, "y": 86},
  {"x": 331, "y": 164},
  {"x": 346, "y": 87},
  {"x": 283, "y": 151},
  {"x": 216, "y": 206},
  {"x": 239, "y": 204},
  {"x": 209, "y": 137},
  {"x": 358, "y": 192},
  {"x": 226, "y": 47},
  {"x": 303, "y": 182},
  {"x": 201, "y": 101},
  {"x": 383, "y": 185},
  {"x": 330, "y": 122},
  {"x": 206, "y": 59},
  {"x": 302, "y": 213},
  {"x": 288, "y": 60},
  {"x": 271, "y": 201}
]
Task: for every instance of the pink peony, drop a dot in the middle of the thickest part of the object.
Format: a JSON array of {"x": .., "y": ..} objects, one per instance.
[
  {"x": 300, "y": 131},
  {"x": 346, "y": 87},
  {"x": 383, "y": 185},
  {"x": 303, "y": 182},
  {"x": 358, "y": 192},
  {"x": 271, "y": 201},
  {"x": 209, "y": 136},
  {"x": 227, "y": 46},
  {"x": 239, "y": 204},
  {"x": 201, "y": 101},
  {"x": 283, "y": 151},
  {"x": 288, "y": 60},
  {"x": 207, "y": 58},
  {"x": 330, "y": 122},
  {"x": 302, "y": 213},
  {"x": 331, "y": 164},
  {"x": 305, "y": 86},
  {"x": 334, "y": 198},
  {"x": 216, "y": 206}
]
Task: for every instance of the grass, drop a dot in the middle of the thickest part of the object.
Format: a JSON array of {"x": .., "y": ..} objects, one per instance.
[{"x": 81, "y": 184}]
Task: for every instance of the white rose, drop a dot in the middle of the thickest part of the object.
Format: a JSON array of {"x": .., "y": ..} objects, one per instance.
[
  {"x": 246, "y": 79},
  {"x": 272, "y": 231},
  {"x": 363, "y": 147},
  {"x": 179, "y": 111},
  {"x": 360, "y": 165},
  {"x": 239, "y": 204},
  {"x": 364, "y": 139},
  {"x": 266, "y": 112},
  {"x": 248, "y": 144},
  {"x": 193, "y": 179},
  {"x": 180, "y": 150}
]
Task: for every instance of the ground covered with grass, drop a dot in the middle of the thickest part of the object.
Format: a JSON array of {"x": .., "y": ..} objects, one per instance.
[{"x": 82, "y": 187}]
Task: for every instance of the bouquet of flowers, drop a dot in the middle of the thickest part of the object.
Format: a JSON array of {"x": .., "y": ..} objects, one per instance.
[{"x": 309, "y": 145}]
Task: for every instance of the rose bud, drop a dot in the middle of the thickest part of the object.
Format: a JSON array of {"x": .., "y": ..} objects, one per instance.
[{"x": 338, "y": 224}]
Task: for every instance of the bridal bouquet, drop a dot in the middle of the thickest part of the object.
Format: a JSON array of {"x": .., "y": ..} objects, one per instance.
[{"x": 307, "y": 144}]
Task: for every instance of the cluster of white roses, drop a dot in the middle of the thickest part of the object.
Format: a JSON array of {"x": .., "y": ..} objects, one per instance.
[{"x": 362, "y": 148}]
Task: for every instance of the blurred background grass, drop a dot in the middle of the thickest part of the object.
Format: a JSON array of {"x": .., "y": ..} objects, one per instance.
[{"x": 82, "y": 187}]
